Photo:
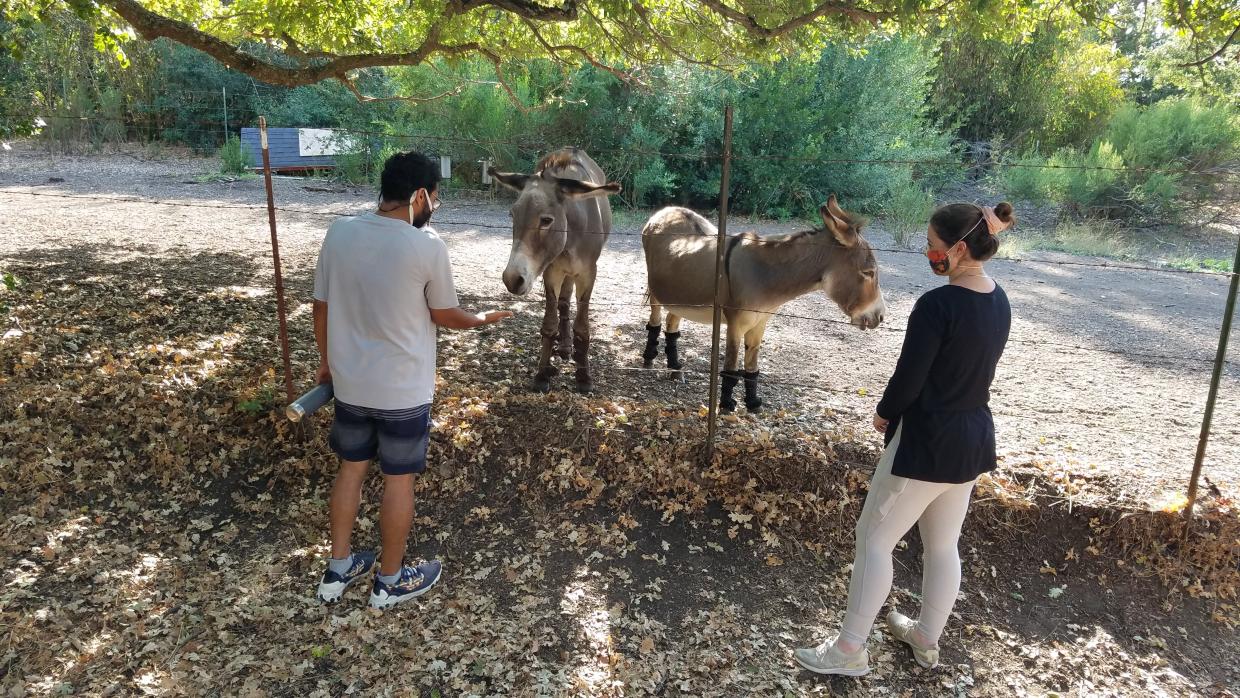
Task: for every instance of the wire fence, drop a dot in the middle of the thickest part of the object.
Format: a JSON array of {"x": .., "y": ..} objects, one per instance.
[
  {"x": 641, "y": 300},
  {"x": 723, "y": 158}
]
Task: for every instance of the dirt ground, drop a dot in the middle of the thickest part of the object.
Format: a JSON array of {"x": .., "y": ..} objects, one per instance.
[{"x": 166, "y": 527}]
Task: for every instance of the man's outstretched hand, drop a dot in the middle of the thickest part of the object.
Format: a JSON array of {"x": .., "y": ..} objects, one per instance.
[{"x": 494, "y": 316}]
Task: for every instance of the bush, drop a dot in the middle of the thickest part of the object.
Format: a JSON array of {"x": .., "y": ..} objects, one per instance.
[
  {"x": 233, "y": 156},
  {"x": 1119, "y": 175},
  {"x": 907, "y": 211},
  {"x": 1055, "y": 90},
  {"x": 1177, "y": 133}
]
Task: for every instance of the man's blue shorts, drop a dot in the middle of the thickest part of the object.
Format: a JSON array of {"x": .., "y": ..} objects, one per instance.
[{"x": 398, "y": 438}]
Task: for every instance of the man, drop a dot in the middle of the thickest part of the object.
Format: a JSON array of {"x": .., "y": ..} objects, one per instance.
[{"x": 382, "y": 285}]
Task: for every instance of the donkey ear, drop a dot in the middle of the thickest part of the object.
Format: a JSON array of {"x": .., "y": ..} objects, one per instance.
[
  {"x": 838, "y": 223},
  {"x": 512, "y": 180},
  {"x": 576, "y": 189}
]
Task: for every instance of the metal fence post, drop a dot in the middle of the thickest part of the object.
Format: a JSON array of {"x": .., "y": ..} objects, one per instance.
[
  {"x": 1219, "y": 358},
  {"x": 713, "y": 398},
  {"x": 275, "y": 260}
]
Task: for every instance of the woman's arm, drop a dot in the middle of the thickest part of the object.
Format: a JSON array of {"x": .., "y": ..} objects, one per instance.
[{"x": 922, "y": 340}]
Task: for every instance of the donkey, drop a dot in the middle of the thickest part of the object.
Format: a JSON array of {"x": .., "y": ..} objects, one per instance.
[
  {"x": 759, "y": 276},
  {"x": 560, "y": 222}
]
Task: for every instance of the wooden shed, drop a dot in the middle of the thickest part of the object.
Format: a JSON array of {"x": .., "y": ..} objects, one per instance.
[{"x": 298, "y": 149}]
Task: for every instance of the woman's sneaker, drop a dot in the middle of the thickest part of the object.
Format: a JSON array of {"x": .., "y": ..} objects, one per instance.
[
  {"x": 902, "y": 627},
  {"x": 826, "y": 659},
  {"x": 333, "y": 585},
  {"x": 412, "y": 583}
]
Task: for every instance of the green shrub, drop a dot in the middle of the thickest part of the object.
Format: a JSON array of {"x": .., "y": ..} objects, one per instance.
[
  {"x": 233, "y": 157},
  {"x": 1027, "y": 178},
  {"x": 1125, "y": 171},
  {"x": 907, "y": 212},
  {"x": 1176, "y": 133}
]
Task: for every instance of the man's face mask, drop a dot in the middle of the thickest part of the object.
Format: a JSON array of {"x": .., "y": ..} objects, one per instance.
[{"x": 431, "y": 204}]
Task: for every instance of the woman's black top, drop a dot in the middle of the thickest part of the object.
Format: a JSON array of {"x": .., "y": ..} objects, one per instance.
[{"x": 940, "y": 391}]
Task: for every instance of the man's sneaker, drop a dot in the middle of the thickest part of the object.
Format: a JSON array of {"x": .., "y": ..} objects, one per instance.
[
  {"x": 333, "y": 585},
  {"x": 825, "y": 659},
  {"x": 412, "y": 583},
  {"x": 902, "y": 628}
]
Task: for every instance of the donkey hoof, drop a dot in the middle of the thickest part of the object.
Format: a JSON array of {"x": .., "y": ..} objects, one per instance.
[
  {"x": 585, "y": 387},
  {"x": 648, "y": 363},
  {"x": 755, "y": 406},
  {"x": 727, "y": 407},
  {"x": 541, "y": 384}
]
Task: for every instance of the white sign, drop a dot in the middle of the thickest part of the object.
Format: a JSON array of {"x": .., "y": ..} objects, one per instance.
[{"x": 324, "y": 141}]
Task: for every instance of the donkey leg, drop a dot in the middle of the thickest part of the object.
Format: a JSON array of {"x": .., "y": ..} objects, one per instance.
[
  {"x": 652, "y": 333},
  {"x": 581, "y": 333},
  {"x": 549, "y": 332},
  {"x": 753, "y": 342},
  {"x": 671, "y": 337},
  {"x": 731, "y": 373},
  {"x": 565, "y": 348}
]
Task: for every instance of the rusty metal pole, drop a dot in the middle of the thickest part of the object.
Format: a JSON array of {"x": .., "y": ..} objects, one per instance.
[
  {"x": 713, "y": 398},
  {"x": 1219, "y": 359},
  {"x": 275, "y": 260}
]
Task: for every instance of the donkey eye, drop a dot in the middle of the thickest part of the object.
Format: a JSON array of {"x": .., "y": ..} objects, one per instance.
[
  {"x": 545, "y": 221},
  {"x": 869, "y": 273}
]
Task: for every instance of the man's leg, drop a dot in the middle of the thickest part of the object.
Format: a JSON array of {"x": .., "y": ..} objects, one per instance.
[
  {"x": 345, "y": 500},
  {"x": 395, "y": 521}
]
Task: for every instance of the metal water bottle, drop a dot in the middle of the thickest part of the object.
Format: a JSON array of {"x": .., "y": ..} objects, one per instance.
[{"x": 308, "y": 403}]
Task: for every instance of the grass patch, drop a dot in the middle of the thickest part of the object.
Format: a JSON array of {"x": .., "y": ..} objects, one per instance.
[
  {"x": 225, "y": 178},
  {"x": 1195, "y": 263},
  {"x": 1018, "y": 246},
  {"x": 1088, "y": 239}
]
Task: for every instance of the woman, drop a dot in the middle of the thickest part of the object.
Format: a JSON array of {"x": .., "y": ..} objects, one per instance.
[{"x": 940, "y": 438}]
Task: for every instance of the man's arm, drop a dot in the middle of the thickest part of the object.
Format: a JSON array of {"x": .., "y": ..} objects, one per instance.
[
  {"x": 457, "y": 319},
  {"x": 324, "y": 374}
]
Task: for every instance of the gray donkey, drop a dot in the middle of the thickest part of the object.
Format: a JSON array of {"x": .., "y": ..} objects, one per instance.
[
  {"x": 560, "y": 222},
  {"x": 760, "y": 275}
]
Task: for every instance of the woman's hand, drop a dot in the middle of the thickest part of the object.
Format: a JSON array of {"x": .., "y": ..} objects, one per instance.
[{"x": 880, "y": 424}]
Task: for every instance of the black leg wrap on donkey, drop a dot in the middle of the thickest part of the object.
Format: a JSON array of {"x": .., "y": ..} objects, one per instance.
[
  {"x": 672, "y": 351},
  {"x": 652, "y": 344},
  {"x": 727, "y": 403},
  {"x": 752, "y": 401}
]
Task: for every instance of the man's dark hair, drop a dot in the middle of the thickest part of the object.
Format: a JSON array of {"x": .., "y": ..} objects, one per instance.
[{"x": 405, "y": 173}]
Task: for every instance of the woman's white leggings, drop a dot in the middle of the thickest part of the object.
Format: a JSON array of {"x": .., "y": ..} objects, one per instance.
[{"x": 891, "y": 508}]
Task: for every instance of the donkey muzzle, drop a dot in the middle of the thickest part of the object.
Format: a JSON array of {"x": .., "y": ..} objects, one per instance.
[{"x": 872, "y": 316}]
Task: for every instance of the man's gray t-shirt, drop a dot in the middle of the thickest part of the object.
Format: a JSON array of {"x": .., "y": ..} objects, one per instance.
[{"x": 380, "y": 278}]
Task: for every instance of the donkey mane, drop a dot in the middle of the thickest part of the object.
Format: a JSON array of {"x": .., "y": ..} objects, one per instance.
[
  {"x": 789, "y": 237},
  {"x": 561, "y": 159}
]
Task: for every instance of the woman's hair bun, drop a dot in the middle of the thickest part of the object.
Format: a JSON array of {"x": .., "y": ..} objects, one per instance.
[{"x": 1003, "y": 211}]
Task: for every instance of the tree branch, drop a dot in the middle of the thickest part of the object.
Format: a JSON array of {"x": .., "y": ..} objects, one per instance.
[
  {"x": 641, "y": 12},
  {"x": 525, "y": 8},
  {"x": 153, "y": 26},
  {"x": 637, "y": 61},
  {"x": 1232, "y": 37},
  {"x": 344, "y": 80},
  {"x": 827, "y": 8},
  {"x": 621, "y": 75}
]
